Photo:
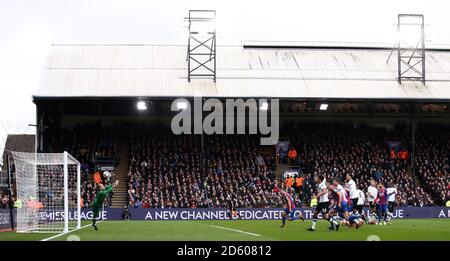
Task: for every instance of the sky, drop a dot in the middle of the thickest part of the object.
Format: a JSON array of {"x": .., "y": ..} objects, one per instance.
[{"x": 28, "y": 27}]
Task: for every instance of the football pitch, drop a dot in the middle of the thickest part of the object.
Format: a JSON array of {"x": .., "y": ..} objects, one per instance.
[{"x": 244, "y": 230}]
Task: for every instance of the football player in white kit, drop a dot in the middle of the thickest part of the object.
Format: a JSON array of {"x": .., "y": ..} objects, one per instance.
[
  {"x": 392, "y": 193},
  {"x": 351, "y": 186},
  {"x": 360, "y": 204},
  {"x": 372, "y": 193},
  {"x": 323, "y": 202}
]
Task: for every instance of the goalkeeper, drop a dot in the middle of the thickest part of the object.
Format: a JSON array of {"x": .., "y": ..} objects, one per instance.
[{"x": 99, "y": 199}]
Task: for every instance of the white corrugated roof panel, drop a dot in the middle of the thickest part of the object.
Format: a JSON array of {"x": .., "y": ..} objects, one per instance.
[{"x": 161, "y": 71}]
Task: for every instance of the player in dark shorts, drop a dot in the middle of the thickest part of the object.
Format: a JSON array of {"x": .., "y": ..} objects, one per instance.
[
  {"x": 391, "y": 206},
  {"x": 323, "y": 204},
  {"x": 324, "y": 208},
  {"x": 360, "y": 204},
  {"x": 372, "y": 192},
  {"x": 372, "y": 206},
  {"x": 392, "y": 192},
  {"x": 359, "y": 209}
]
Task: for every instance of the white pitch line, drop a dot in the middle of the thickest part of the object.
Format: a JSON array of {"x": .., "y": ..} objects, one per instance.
[
  {"x": 64, "y": 233},
  {"x": 237, "y": 230}
]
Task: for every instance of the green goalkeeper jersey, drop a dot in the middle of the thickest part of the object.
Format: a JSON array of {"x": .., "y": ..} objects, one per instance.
[{"x": 98, "y": 201}]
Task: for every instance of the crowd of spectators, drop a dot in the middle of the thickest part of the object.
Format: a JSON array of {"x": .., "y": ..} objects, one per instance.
[
  {"x": 90, "y": 143},
  {"x": 4, "y": 199},
  {"x": 165, "y": 169},
  {"x": 432, "y": 160},
  {"x": 335, "y": 149},
  {"x": 236, "y": 171}
]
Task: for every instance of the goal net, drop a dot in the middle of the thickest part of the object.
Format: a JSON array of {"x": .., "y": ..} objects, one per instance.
[{"x": 48, "y": 184}]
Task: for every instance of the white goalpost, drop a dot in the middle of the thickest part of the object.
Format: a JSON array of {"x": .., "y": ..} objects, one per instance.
[{"x": 48, "y": 185}]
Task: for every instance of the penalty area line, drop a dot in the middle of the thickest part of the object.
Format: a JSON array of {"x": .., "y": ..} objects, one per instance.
[
  {"x": 64, "y": 233},
  {"x": 237, "y": 230}
]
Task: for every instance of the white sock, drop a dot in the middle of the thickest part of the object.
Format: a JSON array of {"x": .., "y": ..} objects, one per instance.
[
  {"x": 333, "y": 219},
  {"x": 314, "y": 222}
]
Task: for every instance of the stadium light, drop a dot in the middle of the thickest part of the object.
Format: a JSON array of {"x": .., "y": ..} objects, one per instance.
[
  {"x": 264, "y": 106},
  {"x": 141, "y": 105},
  {"x": 323, "y": 107},
  {"x": 182, "y": 105}
]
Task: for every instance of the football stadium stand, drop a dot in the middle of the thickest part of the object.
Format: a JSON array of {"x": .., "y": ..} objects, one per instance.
[{"x": 342, "y": 109}]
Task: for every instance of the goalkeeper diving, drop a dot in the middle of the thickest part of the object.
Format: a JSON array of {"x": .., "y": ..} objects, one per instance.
[{"x": 99, "y": 200}]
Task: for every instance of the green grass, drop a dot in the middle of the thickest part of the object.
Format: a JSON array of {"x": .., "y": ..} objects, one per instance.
[{"x": 406, "y": 229}]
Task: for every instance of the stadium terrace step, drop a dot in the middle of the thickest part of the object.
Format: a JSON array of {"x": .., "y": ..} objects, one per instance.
[
  {"x": 120, "y": 192},
  {"x": 117, "y": 204},
  {"x": 280, "y": 169},
  {"x": 416, "y": 178}
]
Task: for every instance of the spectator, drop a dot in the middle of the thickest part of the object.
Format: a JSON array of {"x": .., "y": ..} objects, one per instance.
[{"x": 292, "y": 155}]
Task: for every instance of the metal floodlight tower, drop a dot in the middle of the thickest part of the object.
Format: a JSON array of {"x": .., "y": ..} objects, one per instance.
[
  {"x": 201, "y": 55},
  {"x": 411, "y": 47}
]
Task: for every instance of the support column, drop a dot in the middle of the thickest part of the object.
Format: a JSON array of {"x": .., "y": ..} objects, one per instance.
[{"x": 413, "y": 151}]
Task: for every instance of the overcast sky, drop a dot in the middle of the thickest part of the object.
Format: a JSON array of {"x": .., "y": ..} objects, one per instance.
[{"x": 28, "y": 27}]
